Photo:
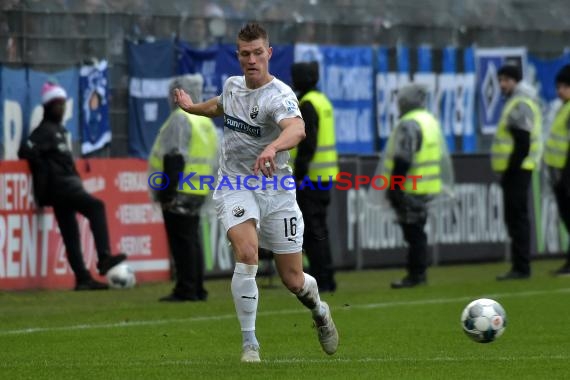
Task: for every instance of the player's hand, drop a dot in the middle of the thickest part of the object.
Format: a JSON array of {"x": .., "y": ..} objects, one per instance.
[
  {"x": 265, "y": 162},
  {"x": 181, "y": 98}
]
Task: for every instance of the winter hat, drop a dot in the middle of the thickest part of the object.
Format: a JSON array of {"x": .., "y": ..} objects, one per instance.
[
  {"x": 51, "y": 91},
  {"x": 511, "y": 71},
  {"x": 305, "y": 75},
  {"x": 563, "y": 75}
]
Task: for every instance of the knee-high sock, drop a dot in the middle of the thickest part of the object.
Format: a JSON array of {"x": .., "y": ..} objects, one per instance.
[
  {"x": 309, "y": 296},
  {"x": 245, "y": 294}
]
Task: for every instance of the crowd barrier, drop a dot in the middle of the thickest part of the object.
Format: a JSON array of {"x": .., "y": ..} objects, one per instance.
[{"x": 469, "y": 227}]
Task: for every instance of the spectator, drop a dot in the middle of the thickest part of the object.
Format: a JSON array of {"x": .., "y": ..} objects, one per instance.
[
  {"x": 315, "y": 170},
  {"x": 57, "y": 184}
]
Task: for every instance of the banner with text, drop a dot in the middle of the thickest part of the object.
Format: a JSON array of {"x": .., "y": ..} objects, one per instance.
[
  {"x": 346, "y": 78},
  {"x": 21, "y": 108},
  {"x": 32, "y": 254}
]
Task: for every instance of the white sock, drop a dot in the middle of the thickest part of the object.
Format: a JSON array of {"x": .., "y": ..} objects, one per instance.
[
  {"x": 245, "y": 294},
  {"x": 309, "y": 296}
]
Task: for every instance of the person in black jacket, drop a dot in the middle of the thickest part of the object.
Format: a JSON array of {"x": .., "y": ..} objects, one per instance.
[
  {"x": 57, "y": 183},
  {"x": 515, "y": 154},
  {"x": 317, "y": 150}
]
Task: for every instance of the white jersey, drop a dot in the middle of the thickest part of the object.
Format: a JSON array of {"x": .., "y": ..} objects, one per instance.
[{"x": 251, "y": 120}]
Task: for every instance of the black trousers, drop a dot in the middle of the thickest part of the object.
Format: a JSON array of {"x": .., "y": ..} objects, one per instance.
[
  {"x": 563, "y": 201},
  {"x": 516, "y": 187},
  {"x": 314, "y": 205},
  {"x": 65, "y": 209},
  {"x": 416, "y": 237},
  {"x": 183, "y": 232}
]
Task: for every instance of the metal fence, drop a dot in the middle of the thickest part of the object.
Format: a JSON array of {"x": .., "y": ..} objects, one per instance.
[{"x": 49, "y": 35}]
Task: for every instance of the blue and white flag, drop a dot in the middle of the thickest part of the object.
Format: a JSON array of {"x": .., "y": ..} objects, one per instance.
[
  {"x": 218, "y": 63},
  {"x": 346, "y": 78},
  {"x": 151, "y": 67},
  {"x": 14, "y": 111},
  {"x": 542, "y": 74},
  {"x": 94, "y": 90},
  {"x": 488, "y": 62},
  {"x": 388, "y": 81}
]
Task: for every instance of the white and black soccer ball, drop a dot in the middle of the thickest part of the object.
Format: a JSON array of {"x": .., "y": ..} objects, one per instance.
[
  {"x": 484, "y": 320},
  {"x": 121, "y": 276}
]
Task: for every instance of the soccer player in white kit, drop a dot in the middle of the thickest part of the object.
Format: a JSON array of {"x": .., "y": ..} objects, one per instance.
[{"x": 262, "y": 122}]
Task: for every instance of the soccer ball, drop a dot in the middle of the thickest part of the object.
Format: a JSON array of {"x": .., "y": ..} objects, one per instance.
[
  {"x": 484, "y": 320},
  {"x": 121, "y": 276}
]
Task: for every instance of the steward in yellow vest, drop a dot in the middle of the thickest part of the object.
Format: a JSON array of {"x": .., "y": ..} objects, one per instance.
[
  {"x": 515, "y": 154},
  {"x": 557, "y": 156},
  {"x": 185, "y": 144},
  {"x": 315, "y": 167},
  {"x": 415, "y": 148}
]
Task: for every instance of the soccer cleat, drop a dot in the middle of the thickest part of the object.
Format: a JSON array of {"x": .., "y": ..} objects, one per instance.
[
  {"x": 409, "y": 282},
  {"x": 109, "y": 262},
  {"x": 90, "y": 284},
  {"x": 326, "y": 330},
  {"x": 250, "y": 354},
  {"x": 513, "y": 275},
  {"x": 563, "y": 271}
]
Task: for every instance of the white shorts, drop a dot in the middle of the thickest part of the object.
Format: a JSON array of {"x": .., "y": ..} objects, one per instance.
[{"x": 278, "y": 219}]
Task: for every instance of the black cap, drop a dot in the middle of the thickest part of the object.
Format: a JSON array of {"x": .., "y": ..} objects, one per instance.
[
  {"x": 305, "y": 75},
  {"x": 563, "y": 75},
  {"x": 511, "y": 71}
]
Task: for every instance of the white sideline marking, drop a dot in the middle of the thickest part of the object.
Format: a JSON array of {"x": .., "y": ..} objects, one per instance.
[
  {"x": 383, "y": 360},
  {"x": 266, "y": 313}
]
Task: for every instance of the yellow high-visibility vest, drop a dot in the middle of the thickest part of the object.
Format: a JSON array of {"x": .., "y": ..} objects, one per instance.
[
  {"x": 324, "y": 164},
  {"x": 503, "y": 143},
  {"x": 426, "y": 161},
  {"x": 558, "y": 143},
  {"x": 202, "y": 152}
]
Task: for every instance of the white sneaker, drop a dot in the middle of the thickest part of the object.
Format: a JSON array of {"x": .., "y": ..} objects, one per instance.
[
  {"x": 250, "y": 354},
  {"x": 328, "y": 335}
]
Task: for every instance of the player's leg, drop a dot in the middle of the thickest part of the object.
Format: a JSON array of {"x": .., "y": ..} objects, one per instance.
[
  {"x": 304, "y": 286},
  {"x": 239, "y": 213},
  {"x": 282, "y": 229},
  {"x": 243, "y": 238}
]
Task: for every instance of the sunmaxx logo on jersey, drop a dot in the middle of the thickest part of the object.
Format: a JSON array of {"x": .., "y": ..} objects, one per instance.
[{"x": 343, "y": 181}]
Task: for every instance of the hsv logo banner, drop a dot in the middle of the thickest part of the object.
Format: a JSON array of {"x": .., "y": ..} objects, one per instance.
[{"x": 32, "y": 254}]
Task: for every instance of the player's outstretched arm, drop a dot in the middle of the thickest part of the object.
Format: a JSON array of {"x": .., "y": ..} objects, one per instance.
[
  {"x": 292, "y": 133},
  {"x": 209, "y": 108}
]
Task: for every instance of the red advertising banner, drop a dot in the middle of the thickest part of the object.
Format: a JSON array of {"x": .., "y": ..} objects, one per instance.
[{"x": 32, "y": 254}]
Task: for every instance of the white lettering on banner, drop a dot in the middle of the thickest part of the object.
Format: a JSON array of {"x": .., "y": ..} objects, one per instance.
[
  {"x": 16, "y": 191},
  {"x": 138, "y": 214},
  {"x": 451, "y": 97},
  {"x": 475, "y": 216},
  {"x": 348, "y": 83},
  {"x": 128, "y": 182},
  {"x": 387, "y": 85},
  {"x": 14, "y": 121},
  {"x": 352, "y": 125},
  {"x": 19, "y": 237},
  {"x": 94, "y": 185},
  {"x": 38, "y": 113},
  {"x": 13, "y": 125},
  {"x": 136, "y": 245},
  {"x": 209, "y": 74},
  {"x": 149, "y": 87}
]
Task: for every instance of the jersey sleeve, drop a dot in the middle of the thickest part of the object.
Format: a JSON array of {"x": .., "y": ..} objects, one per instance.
[{"x": 284, "y": 106}]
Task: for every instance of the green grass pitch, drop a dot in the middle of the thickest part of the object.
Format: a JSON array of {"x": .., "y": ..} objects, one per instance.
[{"x": 384, "y": 333}]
